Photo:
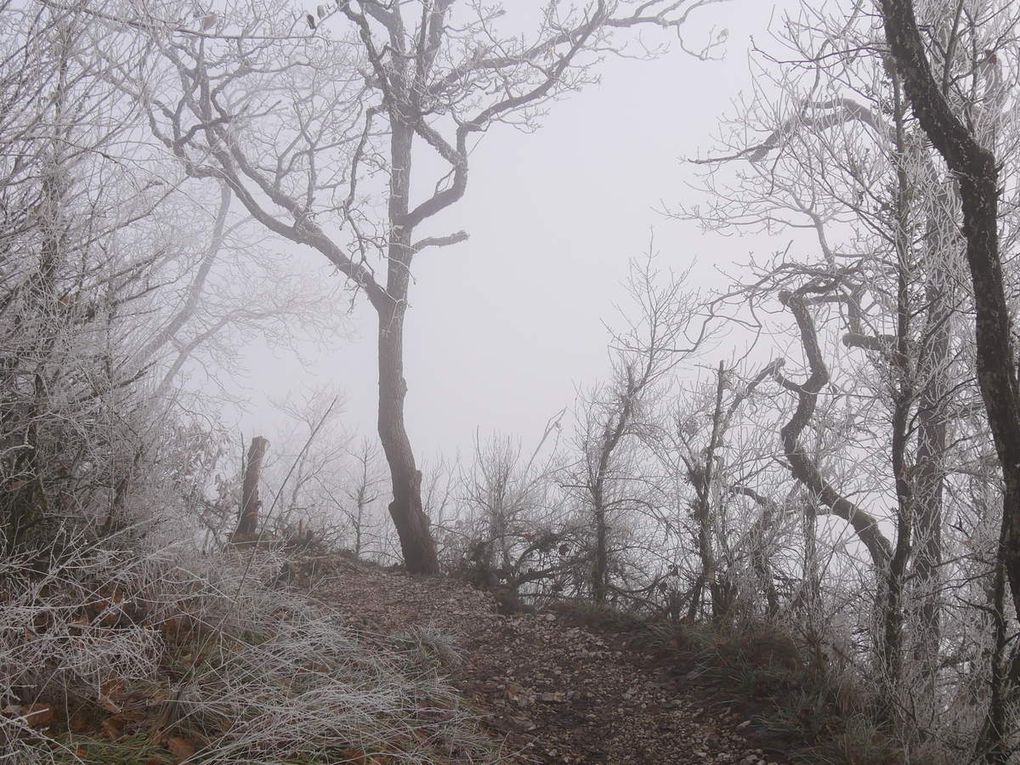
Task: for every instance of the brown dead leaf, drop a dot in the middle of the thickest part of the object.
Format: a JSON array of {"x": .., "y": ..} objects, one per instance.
[
  {"x": 111, "y": 615},
  {"x": 111, "y": 728},
  {"x": 110, "y": 694},
  {"x": 177, "y": 628},
  {"x": 518, "y": 695},
  {"x": 180, "y": 748},
  {"x": 553, "y": 698},
  {"x": 524, "y": 724},
  {"x": 114, "y": 688},
  {"x": 112, "y": 592},
  {"x": 80, "y": 722},
  {"x": 38, "y": 715}
]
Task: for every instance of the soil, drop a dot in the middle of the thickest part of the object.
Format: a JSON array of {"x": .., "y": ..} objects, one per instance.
[{"x": 553, "y": 686}]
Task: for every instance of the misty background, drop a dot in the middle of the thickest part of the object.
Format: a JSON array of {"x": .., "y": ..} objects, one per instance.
[{"x": 505, "y": 326}]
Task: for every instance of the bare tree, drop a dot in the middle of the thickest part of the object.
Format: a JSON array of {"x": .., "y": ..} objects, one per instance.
[
  {"x": 971, "y": 159},
  {"x": 218, "y": 283},
  {"x": 510, "y": 533},
  {"x": 73, "y": 419},
  {"x": 303, "y": 131},
  {"x": 695, "y": 447},
  {"x": 833, "y": 157},
  {"x": 664, "y": 331},
  {"x": 363, "y": 491}
]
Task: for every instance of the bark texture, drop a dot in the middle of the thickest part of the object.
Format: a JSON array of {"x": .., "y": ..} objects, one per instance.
[{"x": 248, "y": 519}]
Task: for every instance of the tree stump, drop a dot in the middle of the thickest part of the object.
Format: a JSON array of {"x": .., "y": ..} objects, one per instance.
[{"x": 248, "y": 517}]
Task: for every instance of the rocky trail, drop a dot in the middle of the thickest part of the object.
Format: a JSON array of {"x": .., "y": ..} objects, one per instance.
[{"x": 553, "y": 689}]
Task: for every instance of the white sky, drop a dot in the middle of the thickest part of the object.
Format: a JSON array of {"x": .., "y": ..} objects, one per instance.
[{"x": 503, "y": 328}]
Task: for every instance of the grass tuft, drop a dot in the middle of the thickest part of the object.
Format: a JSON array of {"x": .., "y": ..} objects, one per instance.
[{"x": 151, "y": 660}]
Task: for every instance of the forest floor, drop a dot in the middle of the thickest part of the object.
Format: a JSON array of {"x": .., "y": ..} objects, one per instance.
[{"x": 554, "y": 687}]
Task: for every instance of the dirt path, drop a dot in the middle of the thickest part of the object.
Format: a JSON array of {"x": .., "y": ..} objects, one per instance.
[{"x": 556, "y": 691}]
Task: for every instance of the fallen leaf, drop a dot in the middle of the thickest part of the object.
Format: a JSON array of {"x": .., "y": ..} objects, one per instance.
[
  {"x": 518, "y": 695},
  {"x": 524, "y": 724},
  {"x": 113, "y": 688},
  {"x": 112, "y": 615},
  {"x": 106, "y": 702},
  {"x": 79, "y": 722},
  {"x": 180, "y": 748},
  {"x": 38, "y": 715},
  {"x": 111, "y": 728},
  {"x": 178, "y": 627}
]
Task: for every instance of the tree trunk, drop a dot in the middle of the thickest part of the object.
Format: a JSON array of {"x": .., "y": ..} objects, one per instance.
[
  {"x": 932, "y": 418},
  {"x": 248, "y": 518},
  {"x": 702, "y": 479},
  {"x": 758, "y": 547},
  {"x": 416, "y": 543},
  {"x": 600, "y": 563},
  {"x": 801, "y": 465},
  {"x": 406, "y": 509},
  {"x": 975, "y": 168},
  {"x": 611, "y": 437},
  {"x": 903, "y": 395}
]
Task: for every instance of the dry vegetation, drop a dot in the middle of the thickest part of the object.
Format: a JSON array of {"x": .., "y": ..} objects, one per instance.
[
  {"x": 115, "y": 657},
  {"x": 796, "y": 498}
]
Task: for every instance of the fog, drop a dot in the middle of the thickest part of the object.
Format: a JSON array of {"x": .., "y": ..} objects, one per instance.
[{"x": 504, "y": 327}]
